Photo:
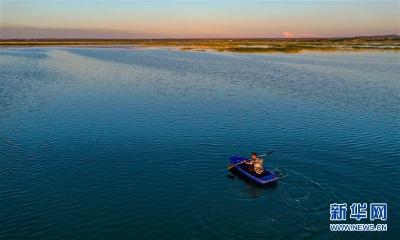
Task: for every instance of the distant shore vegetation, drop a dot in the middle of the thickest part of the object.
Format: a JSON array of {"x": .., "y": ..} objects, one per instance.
[{"x": 292, "y": 45}]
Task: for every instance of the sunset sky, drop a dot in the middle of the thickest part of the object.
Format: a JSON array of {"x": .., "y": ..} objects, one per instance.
[{"x": 196, "y": 19}]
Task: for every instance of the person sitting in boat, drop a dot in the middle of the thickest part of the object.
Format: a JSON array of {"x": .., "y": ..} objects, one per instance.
[{"x": 255, "y": 164}]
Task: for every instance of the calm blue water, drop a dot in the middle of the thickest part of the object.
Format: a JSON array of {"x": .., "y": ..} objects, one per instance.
[{"x": 102, "y": 143}]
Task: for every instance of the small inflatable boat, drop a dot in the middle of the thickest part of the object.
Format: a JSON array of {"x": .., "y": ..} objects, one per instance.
[{"x": 265, "y": 178}]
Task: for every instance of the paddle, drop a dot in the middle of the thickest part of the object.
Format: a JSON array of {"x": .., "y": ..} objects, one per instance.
[{"x": 230, "y": 166}]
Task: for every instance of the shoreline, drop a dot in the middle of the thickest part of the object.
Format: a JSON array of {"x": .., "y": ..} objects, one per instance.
[
  {"x": 223, "y": 45},
  {"x": 131, "y": 47}
]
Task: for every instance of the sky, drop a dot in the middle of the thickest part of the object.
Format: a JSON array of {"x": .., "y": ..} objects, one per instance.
[{"x": 196, "y": 19}]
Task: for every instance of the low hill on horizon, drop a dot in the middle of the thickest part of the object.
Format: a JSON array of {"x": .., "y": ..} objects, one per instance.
[{"x": 366, "y": 37}]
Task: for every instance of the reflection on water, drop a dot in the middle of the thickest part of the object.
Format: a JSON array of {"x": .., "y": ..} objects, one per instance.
[{"x": 134, "y": 143}]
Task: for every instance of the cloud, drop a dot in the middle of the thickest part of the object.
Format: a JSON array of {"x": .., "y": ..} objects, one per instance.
[{"x": 288, "y": 34}]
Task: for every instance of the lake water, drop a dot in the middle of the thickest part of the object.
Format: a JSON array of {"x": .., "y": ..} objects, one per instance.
[{"x": 108, "y": 143}]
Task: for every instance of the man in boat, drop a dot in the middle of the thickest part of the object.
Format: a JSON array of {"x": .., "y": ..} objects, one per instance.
[{"x": 255, "y": 164}]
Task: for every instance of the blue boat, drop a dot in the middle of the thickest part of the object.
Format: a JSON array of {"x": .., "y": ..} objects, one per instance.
[{"x": 265, "y": 178}]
